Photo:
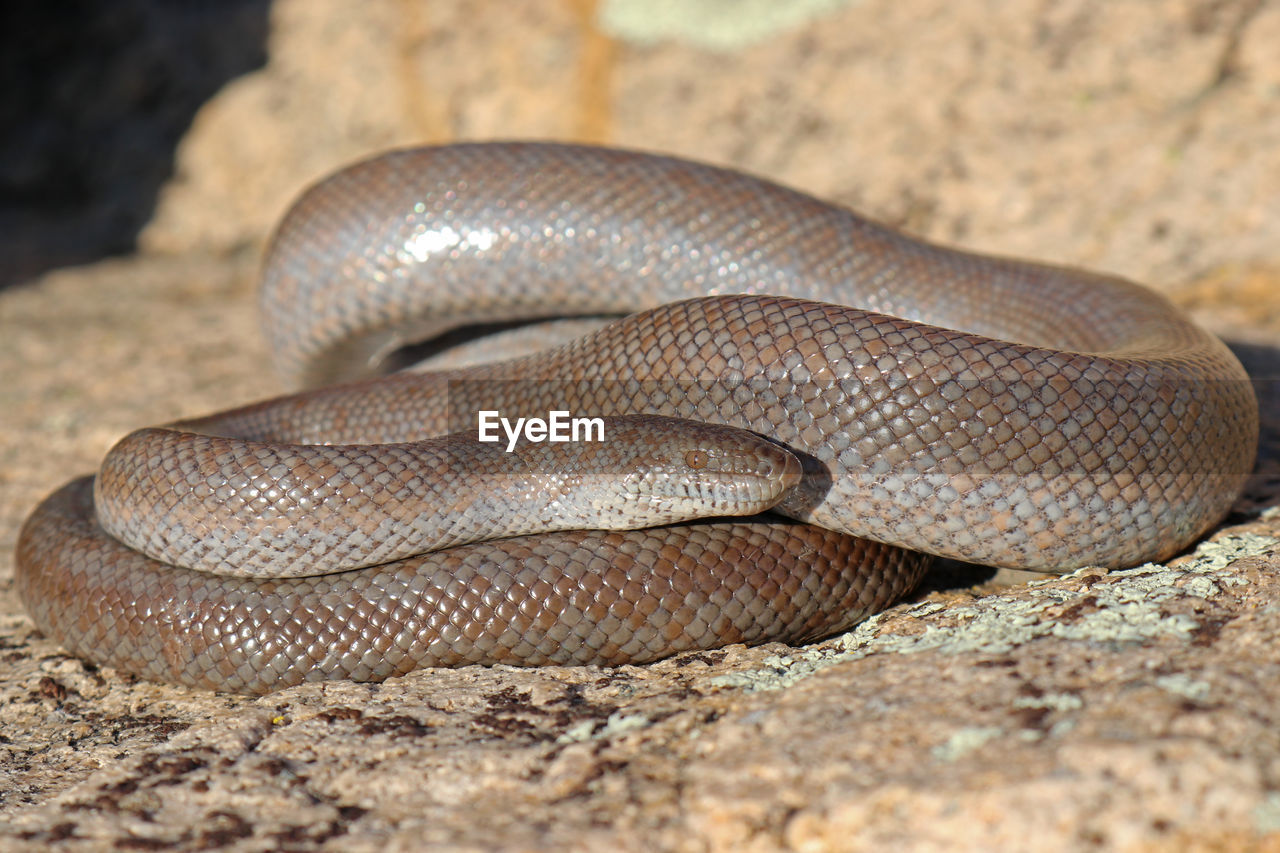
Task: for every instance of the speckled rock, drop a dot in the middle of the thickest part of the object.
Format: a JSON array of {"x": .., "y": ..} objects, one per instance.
[{"x": 1112, "y": 710}]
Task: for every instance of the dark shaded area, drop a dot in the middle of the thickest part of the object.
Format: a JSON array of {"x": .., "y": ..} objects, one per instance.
[
  {"x": 953, "y": 575},
  {"x": 93, "y": 100},
  {"x": 1263, "y": 365}
]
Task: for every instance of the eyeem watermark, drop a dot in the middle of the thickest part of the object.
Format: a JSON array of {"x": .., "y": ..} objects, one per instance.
[{"x": 557, "y": 426}]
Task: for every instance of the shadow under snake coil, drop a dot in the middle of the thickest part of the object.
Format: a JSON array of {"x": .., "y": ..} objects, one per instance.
[{"x": 891, "y": 398}]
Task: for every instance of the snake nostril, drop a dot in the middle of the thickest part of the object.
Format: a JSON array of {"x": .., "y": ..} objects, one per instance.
[{"x": 792, "y": 471}]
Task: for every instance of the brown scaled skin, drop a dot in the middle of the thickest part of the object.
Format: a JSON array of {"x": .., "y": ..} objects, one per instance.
[{"x": 991, "y": 410}]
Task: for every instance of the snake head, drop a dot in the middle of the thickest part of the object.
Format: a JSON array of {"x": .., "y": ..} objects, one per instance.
[{"x": 662, "y": 470}]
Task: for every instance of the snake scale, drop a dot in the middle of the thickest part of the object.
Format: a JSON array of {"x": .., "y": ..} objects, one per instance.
[{"x": 933, "y": 401}]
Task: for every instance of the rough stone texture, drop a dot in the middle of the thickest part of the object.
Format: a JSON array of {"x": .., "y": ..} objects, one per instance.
[{"x": 1124, "y": 710}]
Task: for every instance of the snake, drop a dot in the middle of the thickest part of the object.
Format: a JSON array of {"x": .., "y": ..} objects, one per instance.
[{"x": 915, "y": 401}]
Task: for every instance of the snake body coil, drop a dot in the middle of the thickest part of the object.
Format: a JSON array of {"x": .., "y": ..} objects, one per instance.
[{"x": 991, "y": 410}]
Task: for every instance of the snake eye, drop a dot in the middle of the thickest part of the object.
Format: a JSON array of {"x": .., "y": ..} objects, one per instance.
[{"x": 696, "y": 459}]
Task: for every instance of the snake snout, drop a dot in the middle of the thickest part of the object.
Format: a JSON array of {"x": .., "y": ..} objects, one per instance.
[
  {"x": 678, "y": 469},
  {"x": 750, "y": 463},
  {"x": 744, "y": 478},
  {"x": 730, "y": 471}
]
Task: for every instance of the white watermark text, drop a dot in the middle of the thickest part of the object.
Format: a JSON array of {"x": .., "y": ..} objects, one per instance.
[{"x": 556, "y": 426}]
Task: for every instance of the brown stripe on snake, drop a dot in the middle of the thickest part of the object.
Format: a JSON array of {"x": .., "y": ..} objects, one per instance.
[{"x": 990, "y": 410}]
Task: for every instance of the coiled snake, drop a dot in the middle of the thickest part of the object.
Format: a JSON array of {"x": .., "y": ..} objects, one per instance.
[{"x": 990, "y": 410}]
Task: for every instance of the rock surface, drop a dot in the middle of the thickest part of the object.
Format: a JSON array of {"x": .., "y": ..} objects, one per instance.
[{"x": 1134, "y": 709}]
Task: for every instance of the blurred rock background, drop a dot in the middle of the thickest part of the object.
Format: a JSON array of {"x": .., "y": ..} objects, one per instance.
[
  {"x": 94, "y": 99},
  {"x": 1136, "y": 137}
]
